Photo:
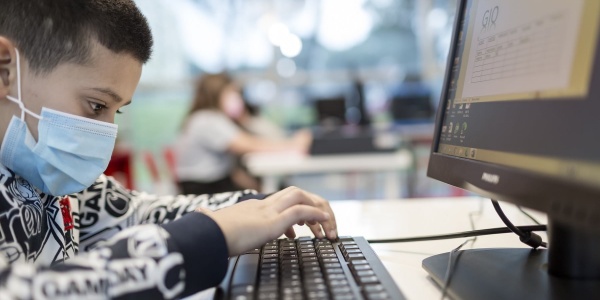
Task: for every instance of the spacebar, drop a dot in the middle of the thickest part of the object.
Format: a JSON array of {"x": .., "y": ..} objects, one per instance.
[{"x": 244, "y": 276}]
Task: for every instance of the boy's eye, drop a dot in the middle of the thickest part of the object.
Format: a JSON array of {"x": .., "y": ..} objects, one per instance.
[{"x": 97, "y": 107}]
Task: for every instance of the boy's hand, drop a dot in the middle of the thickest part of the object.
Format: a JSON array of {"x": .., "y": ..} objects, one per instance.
[{"x": 252, "y": 223}]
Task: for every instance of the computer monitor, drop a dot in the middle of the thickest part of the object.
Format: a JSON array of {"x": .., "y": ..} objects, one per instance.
[
  {"x": 519, "y": 121},
  {"x": 331, "y": 111},
  {"x": 411, "y": 103}
]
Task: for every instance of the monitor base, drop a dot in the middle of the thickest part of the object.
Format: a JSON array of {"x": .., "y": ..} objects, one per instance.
[{"x": 506, "y": 273}]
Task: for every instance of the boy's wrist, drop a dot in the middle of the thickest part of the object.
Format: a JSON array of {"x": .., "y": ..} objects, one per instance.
[{"x": 204, "y": 248}]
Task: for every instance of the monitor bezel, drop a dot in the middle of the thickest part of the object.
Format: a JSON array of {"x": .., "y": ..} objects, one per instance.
[{"x": 567, "y": 201}]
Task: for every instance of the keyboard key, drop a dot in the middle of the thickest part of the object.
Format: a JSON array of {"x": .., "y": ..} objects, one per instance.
[
  {"x": 360, "y": 267},
  {"x": 285, "y": 261},
  {"x": 328, "y": 255},
  {"x": 316, "y": 287},
  {"x": 373, "y": 288},
  {"x": 268, "y": 276},
  {"x": 308, "y": 259},
  {"x": 377, "y": 296},
  {"x": 334, "y": 271},
  {"x": 323, "y": 251},
  {"x": 312, "y": 269},
  {"x": 349, "y": 251},
  {"x": 314, "y": 280},
  {"x": 336, "y": 276},
  {"x": 354, "y": 256},
  {"x": 268, "y": 295},
  {"x": 365, "y": 273},
  {"x": 367, "y": 279},
  {"x": 341, "y": 289},
  {"x": 310, "y": 263},
  {"x": 291, "y": 290},
  {"x": 359, "y": 262},
  {"x": 347, "y": 296},
  {"x": 318, "y": 295},
  {"x": 330, "y": 260},
  {"x": 341, "y": 282},
  {"x": 291, "y": 282}
]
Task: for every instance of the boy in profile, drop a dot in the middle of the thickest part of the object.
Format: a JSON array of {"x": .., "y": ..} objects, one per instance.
[{"x": 66, "y": 230}]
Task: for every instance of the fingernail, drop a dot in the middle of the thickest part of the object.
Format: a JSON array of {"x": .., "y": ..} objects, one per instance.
[{"x": 333, "y": 233}]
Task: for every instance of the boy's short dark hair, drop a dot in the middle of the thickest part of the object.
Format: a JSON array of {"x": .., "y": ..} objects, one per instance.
[{"x": 51, "y": 32}]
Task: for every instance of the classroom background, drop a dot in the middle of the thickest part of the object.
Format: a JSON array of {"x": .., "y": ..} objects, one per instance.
[{"x": 376, "y": 64}]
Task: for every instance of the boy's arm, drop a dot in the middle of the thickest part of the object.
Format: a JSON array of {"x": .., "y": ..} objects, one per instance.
[
  {"x": 143, "y": 262},
  {"x": 107, "y": 207}
]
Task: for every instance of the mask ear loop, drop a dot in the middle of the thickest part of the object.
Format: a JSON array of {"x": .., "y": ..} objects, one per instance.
[{"x": 19, "y": 101}]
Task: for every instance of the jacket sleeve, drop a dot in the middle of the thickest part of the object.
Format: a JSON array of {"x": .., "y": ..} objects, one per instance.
[
  {"x": 106, "y": 208},
  {"x": 142, "y": 262},
  {"x": 110, "y": 216}
]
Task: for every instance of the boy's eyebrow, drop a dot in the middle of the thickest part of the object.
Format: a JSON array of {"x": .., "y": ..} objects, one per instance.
[{"x": 110, "y": 93}]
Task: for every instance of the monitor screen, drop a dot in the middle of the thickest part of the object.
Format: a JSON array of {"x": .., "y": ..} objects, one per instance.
[{"x": 519, "y": 93}]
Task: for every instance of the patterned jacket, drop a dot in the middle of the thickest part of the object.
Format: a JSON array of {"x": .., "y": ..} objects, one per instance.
[{"x": 107, "y": 242}]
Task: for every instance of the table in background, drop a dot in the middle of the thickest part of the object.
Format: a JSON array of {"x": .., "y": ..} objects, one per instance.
[{"x": 271, "y": 167}]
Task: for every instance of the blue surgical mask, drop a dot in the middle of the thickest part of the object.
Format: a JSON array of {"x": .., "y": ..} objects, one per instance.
[{"x": 69, "y": 155}]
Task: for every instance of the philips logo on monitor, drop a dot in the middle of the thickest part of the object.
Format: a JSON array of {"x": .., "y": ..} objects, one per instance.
[{"x": 490, "y": 178}]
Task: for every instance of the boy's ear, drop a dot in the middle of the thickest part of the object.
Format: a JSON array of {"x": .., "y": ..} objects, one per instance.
[{"x": 7, "y": 65}]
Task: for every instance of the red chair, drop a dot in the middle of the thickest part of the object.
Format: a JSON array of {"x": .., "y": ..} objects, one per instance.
[{"x": 119, "y": 167}]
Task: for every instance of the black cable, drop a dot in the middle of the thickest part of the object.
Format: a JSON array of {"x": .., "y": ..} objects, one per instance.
[
  {"x": 527, "y": 237},
  {"x": 480, "y": 232},
  {"x": 505, "y": 219}
]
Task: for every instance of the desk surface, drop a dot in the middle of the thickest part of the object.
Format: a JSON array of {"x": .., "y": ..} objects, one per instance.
[
  {"x": 380, "y": 219},
  {"x": 416, "y": 217}
]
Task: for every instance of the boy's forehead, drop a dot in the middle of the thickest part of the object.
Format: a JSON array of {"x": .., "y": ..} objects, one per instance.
[{"x": 105, "y": 69}]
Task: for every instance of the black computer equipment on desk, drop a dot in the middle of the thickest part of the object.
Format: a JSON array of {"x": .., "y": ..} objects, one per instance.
[
  {"x": 306, "y": 268},
  {"x": 349, "y": 140},
  {"x": 411, "y": 103},
  {"x": 331, "y": 111},
  {"x": 518, "y": 122}
]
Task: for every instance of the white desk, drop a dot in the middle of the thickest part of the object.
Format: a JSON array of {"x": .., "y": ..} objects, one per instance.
[
  {"x": 272, "y": 166},
  {"x": 379, "y": 219}
]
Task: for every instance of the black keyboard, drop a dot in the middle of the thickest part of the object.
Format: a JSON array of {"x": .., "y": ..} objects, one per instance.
[{"x": 307, "y": 268}]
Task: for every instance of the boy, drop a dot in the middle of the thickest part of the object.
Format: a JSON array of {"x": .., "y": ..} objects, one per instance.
[{"x": 66, "y": 67}]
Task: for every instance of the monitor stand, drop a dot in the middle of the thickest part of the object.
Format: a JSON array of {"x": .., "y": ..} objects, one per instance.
[{"x": 569, "y": 269}]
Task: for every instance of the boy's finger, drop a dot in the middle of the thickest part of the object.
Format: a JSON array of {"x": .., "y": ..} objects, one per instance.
[
  {"x": 329, "y": 226},
  {"x": 290, "y": 233},
  {"x": 316, "y": 230},
  {"x": 299, "y": 213}
]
